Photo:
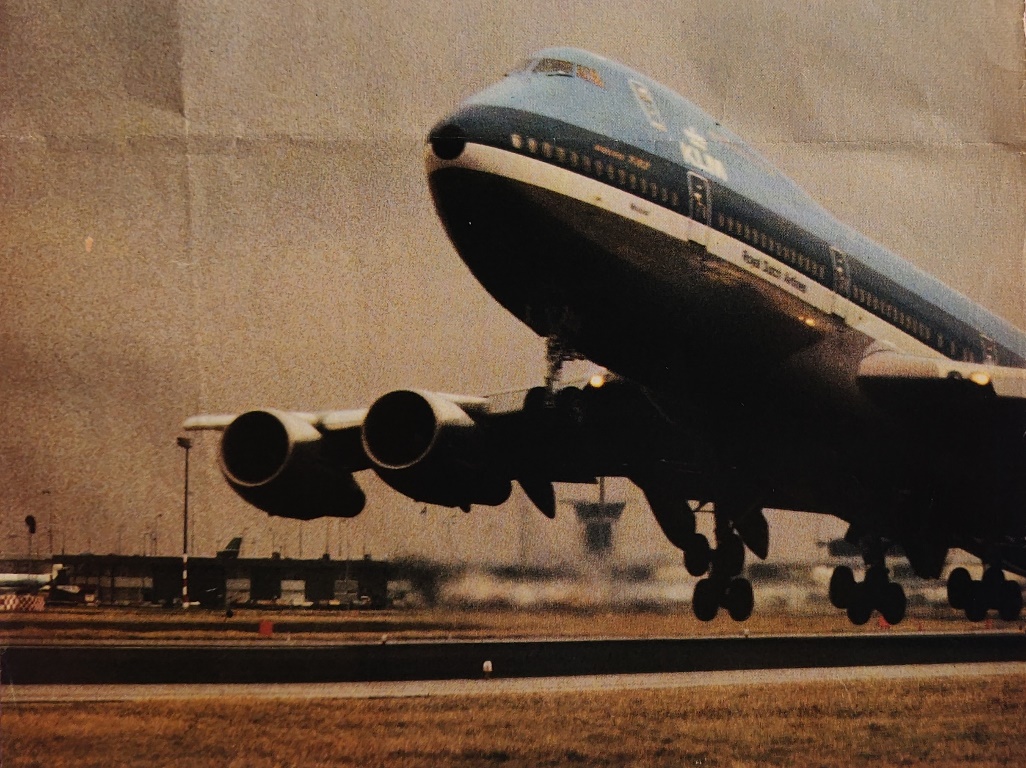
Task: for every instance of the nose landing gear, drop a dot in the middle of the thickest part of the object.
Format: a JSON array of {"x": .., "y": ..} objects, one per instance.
[{"x": 557, "y": 354}]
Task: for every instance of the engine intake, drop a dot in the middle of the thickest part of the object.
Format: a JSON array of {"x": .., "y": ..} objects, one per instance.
[
  {"x": 278, "y": 463},
  {"x": 426, "y": 446},
  {"x": 402, "y": 427},
  {"x": 256, "y": 446}
]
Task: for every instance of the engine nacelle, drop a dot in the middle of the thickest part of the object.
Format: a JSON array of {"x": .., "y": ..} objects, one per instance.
[
  {"x": 427, "y": 447},
  {"x": 275, "y": 461}
]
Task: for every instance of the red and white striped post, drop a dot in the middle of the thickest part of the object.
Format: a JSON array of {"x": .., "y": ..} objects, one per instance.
[
  {"x": 185, "y": 580},
  {"x": 185, "y": 443}
]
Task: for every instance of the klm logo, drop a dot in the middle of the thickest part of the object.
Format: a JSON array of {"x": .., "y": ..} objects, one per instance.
[{"x": 695, "y": 150}]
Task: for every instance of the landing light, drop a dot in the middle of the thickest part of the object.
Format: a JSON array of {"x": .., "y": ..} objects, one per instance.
[
  {"x": 596, "y": 381},
  {"x": 979, "y": 377},
  {"x": 809, "y": 321}
]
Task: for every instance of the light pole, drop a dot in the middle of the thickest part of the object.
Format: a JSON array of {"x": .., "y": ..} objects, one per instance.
[
  {"x": 50, "y": 527},
  {"x": 186, "y": 443},
  {"x": 30, "y": 524}
]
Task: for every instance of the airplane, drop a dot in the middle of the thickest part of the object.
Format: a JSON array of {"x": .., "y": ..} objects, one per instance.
[
  {"x": 30, "y": 583},
  {"x": 759, "y": 354}
]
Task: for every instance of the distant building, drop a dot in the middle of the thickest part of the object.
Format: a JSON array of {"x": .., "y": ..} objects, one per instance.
[{"x": 230, "y": 580}]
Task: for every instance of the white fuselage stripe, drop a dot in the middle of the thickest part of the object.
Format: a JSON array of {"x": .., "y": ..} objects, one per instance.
[{"x": 761, "y": 266}]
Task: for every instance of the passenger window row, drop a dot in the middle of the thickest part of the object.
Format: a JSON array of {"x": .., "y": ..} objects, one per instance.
[
  {"x": 770, "y": 245},
  {"x": 602, "y": 168},
  {"x": 609, "y": 170}
]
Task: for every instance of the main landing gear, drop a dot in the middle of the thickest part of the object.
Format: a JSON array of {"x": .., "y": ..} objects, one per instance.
[
  {"x": 993, "y": 591},
  {"x": 721, "y": 585},
  {"x": 724, "y": 587},
  {"x": 875, "y": 593},
  {"x": 860, "y": 598}
]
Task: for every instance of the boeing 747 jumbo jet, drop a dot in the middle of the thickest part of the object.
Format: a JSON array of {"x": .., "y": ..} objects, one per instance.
[{"x": 760, "y": 354}]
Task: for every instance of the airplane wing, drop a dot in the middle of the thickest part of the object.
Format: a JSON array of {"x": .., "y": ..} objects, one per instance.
[
  {"x": 439, "y": 448},
  {"x": 978, "y": 411},
  {"x": 945, "y": 392},
  {"x": 329, "y": 421},
  {"x": 884, "y": 365}
]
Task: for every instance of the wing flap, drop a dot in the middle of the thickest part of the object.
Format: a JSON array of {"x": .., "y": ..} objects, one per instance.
[{"x": 887, "y": 365}]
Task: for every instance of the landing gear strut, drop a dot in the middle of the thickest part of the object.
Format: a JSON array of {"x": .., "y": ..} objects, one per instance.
[
  {"x": 724, "y": 587},
  {"x": 557, "y": 353},
  {"x": 549, "y": 399}
]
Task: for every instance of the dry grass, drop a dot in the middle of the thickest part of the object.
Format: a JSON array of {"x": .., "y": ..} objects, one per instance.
[
  {"x": 136, "y": 624},
  {"x": 935, "y": 722}
]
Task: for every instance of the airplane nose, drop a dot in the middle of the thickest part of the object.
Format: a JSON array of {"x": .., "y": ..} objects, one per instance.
[{"x": 448, "y": 141}]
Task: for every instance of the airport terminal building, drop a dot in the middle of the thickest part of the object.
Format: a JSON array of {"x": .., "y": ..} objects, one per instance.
[{"x": 221, "y": 581}]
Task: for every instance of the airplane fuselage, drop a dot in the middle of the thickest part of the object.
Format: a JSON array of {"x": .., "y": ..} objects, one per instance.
[{"x": 600, "y": 207}]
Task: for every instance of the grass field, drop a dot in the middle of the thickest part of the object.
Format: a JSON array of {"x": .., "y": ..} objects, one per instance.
[{"x": 931, "y": 722}]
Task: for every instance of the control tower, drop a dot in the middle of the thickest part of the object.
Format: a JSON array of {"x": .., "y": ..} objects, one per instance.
[{"x": 597, "y": 519}]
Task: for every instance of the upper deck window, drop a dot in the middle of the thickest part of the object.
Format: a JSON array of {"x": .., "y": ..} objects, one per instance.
[{"x": 563, "y": 68}]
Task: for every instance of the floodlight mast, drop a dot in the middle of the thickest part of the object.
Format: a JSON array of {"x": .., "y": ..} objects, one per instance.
[{"x": 186, "y": 443}]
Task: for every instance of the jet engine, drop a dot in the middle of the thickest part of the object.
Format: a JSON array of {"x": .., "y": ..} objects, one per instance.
[
  {"x": 428, "y": 447},
  {"x": 280, "y": 463}
]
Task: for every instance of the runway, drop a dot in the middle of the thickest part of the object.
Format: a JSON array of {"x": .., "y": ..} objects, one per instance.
[
  {"x": 404, "y": 662},
  {"x": 430, "y": 688}
]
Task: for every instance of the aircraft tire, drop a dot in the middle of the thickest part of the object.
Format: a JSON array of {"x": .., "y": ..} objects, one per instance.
[
  {"x": 992, "y": 583},
  {"x": 960, "y": 584},
  {"x": 842, "y": 584},
  {"x": 860, "y": 605},
  {"x": 706, "y": 600},
  {"x": 697, "y": 555},
  {"x": 1010, "y": 601},
  {"x": 893, "y": 603},
  {"x": 976, "y": 603},
  {"x": 739, "y": 599}
]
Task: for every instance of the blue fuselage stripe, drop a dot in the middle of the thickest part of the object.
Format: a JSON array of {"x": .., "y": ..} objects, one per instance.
[{"x": 661, "y": 182}]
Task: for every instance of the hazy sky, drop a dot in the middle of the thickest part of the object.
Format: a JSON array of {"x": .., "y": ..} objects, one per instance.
[{"x": 212, "y": 206}]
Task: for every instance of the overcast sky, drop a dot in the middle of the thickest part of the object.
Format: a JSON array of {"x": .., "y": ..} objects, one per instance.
[{"x": 212, "y": 206}]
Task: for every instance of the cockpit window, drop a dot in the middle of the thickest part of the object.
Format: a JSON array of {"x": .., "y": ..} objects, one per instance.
[
  {"x": 590, "y": 74},
  {"x": 554, "y": 67},
  {"x": 564, "y": 68},
  {"x": 522, "y": 66}
]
